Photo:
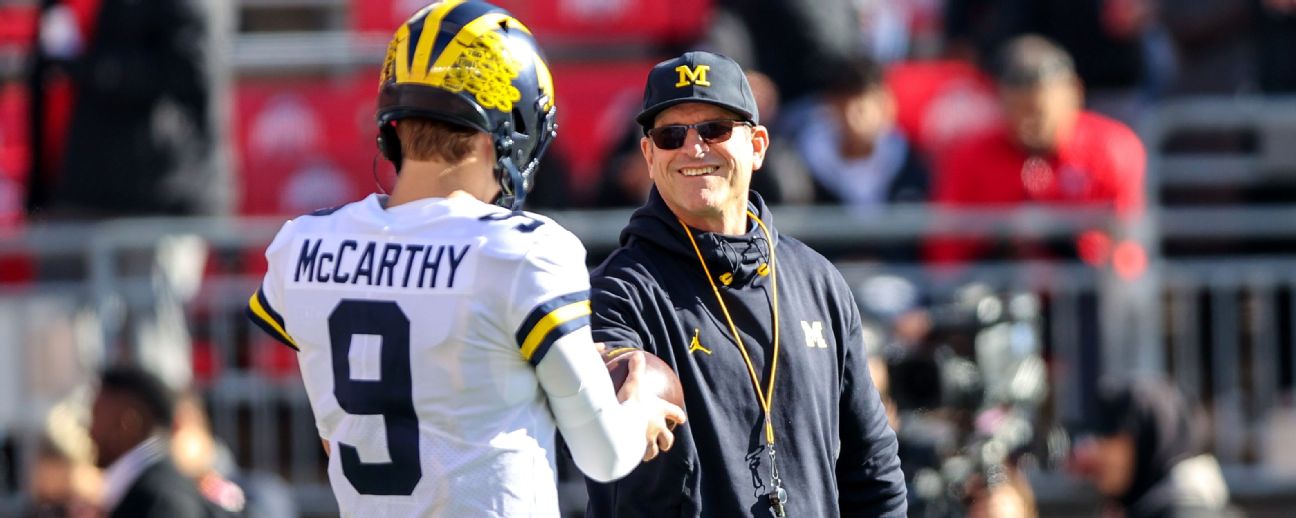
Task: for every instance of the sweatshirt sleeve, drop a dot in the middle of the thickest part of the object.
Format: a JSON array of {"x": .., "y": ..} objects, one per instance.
[
  {"x": 617, "y": 317},
  {"x": 869, "y": 479}
]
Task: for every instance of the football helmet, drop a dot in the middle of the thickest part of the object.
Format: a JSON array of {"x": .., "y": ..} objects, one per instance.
[{"x": 473, "y": 64}]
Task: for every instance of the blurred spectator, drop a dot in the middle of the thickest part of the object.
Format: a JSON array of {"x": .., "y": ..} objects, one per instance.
[
  {"x": 144, "y": 138},
  {"x": 624, "y": 180},
  {"x": 1121, "y": 52},
  {"x": 196, "y": 453},
  {"x": 1213, "y": 45},
  {"x": 795, "y": 42},
  {"x": 1277, "y": 46},
  {"x": 783, "y": 177},
  {"x": 1232, "y": 46},
  {"x": 210, "y": 464},
  {"x": 1011, "y": 498},
  {"x": 130, "y": 421},
  {"x": 144, "y": 131},
  {"x": 856, "y": 155},
  {"x": 1049, "y": 152},
  {"x": 969, "y": 27},
  {"x": 1147, "y": 456},
  {"x": 62, "y": 480},
  {"x": 884, "y": 28}
]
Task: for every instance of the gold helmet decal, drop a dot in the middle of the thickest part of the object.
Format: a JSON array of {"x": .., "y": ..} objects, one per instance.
[
  {"x": 478, "y": 60},
  {"x": 485, "y": 68}
]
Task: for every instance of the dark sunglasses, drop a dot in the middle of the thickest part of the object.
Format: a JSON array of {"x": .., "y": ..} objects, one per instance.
[{"x": 671, "y": 136}]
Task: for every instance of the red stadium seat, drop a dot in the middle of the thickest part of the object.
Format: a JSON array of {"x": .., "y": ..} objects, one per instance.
[
  {"x": 305, "y": 143},
  {"x": 17, "y": 24},
  {"x": 14, "y": 155},
  {"x": 597, "y": 102}
]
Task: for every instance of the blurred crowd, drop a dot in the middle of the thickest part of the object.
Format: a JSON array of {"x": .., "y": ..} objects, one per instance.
[{"x": 133, "y": 447}]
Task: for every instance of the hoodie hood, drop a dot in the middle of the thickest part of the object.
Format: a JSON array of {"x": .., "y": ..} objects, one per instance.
[
  {"x": 735, "y": 261},
  {"x": 1161, "y": 422}
]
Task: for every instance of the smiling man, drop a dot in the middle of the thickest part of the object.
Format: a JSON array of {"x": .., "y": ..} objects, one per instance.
[{"x": 763, "y": 331}]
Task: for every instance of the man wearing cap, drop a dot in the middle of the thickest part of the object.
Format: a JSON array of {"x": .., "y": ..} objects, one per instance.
[
  {"x": 1049, "y": 152},
  {"x": 763, "y": 331}
]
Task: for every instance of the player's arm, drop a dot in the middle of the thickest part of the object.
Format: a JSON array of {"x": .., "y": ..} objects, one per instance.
[
  {"x": 607, "y": 438},
  {"x": 550, "y": 294}
]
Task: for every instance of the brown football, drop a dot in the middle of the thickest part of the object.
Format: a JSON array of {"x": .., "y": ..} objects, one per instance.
[{"x": 659, "y": 378}]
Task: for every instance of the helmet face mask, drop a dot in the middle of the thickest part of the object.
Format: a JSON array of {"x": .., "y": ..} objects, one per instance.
[{"x": 474, "y": 65}]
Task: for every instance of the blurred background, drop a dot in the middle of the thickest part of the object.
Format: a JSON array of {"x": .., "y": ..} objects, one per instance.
[{"x": 1022, "y": 218}]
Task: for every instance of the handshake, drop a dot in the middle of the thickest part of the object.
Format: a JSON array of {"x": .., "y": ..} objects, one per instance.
[{"x": 643, "y": 378}]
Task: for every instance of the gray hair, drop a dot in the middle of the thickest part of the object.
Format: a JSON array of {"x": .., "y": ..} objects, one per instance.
[{"x": 1032, "y": 60}]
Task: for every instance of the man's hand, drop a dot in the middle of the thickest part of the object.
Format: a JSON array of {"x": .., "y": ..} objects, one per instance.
[{"x": 662, "y": 415}]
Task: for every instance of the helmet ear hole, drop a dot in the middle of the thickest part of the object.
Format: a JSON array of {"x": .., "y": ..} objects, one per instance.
[
  {"x": 389, "y": 143},
  {"x": 520, "y": 123}
]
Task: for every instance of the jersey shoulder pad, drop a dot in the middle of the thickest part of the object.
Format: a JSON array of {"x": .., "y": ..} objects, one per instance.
[{"x": 517, "y": 233}]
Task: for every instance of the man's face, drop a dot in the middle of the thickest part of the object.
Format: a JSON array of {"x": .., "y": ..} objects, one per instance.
[
  {"x": 1108, "y": 463},
  {"x": 115, "y": 427},
  {"x": 702, "y": 182},
  {"x": 1041, "y": 115},
  {"x": 867, "y": 115}
]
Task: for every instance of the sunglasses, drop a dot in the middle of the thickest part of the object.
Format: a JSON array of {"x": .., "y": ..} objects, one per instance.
[{"x": 671, "y": 136}]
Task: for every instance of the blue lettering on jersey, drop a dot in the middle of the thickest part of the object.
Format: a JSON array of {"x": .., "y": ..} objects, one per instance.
[
  {"x": 380, "y": 264},
  {"x": 387, "y": 265},
  {"x": 454, "y": 263},
  {"x": 411, "y": 251},
  {"x": 433, "y": 265},
  {"x": 306, "y": 260},
  {"x": 365, "y": 265},
  {"x": 337, "y": 274}
]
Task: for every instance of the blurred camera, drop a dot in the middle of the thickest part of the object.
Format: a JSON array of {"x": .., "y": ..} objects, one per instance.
[{"x": 969, "y": 392}]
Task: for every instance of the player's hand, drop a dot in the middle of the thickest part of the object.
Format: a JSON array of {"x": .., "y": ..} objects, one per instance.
[{"x": 662, "y": 415}]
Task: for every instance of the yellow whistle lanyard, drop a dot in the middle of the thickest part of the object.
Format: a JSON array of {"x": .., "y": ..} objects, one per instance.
[{"x": 764, "y": 395}]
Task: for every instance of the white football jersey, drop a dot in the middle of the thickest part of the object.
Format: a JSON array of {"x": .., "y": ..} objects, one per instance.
[{"x": 417, "y": 330}]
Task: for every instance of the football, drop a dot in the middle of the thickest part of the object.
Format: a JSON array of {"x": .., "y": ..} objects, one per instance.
[{"x": 658, "y": 378}]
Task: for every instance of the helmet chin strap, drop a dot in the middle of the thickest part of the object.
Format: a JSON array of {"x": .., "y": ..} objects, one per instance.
[
  {"x": 513, "y": 178},
  {"x": 512, "y": 191}
]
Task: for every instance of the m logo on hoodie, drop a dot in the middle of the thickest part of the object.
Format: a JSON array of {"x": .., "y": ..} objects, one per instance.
[{"x": 814, "y": 334}]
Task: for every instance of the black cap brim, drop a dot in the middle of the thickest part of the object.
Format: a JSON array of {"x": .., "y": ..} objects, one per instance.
[{"x": 648, "y": 116}]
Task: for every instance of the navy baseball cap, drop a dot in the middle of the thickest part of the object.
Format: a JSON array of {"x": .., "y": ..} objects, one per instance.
[{"x": 701, "y": 77}]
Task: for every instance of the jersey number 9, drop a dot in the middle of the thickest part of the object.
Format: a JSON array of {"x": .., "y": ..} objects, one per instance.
[{"x": 390, "y": 396}]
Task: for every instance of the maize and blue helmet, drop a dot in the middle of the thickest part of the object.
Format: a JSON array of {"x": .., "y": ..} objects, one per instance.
[{"x": 472, "y": 64}]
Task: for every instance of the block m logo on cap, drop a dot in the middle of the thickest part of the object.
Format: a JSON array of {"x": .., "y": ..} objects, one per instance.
[{"x": 694, "y": 76}]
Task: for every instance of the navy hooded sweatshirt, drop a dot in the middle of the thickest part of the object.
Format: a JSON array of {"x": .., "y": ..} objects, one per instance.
[{"x": 836, "y": 453}]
